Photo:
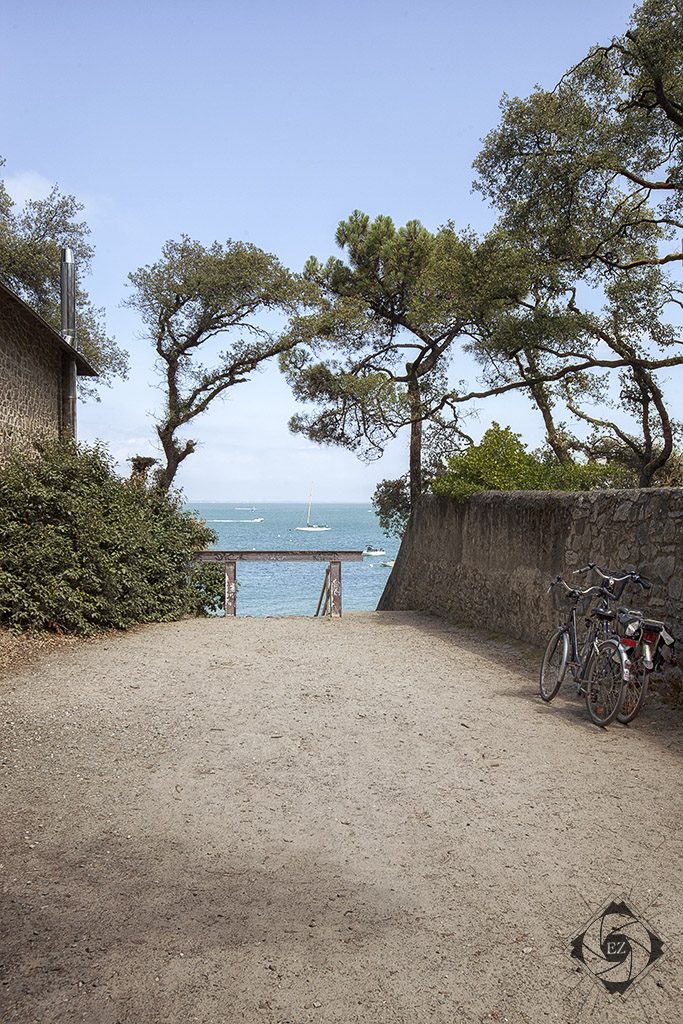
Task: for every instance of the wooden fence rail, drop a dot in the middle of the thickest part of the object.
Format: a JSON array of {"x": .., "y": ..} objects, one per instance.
[{"x": 333, "y": 577}]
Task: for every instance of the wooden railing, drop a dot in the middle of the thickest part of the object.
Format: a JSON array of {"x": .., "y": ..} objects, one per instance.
[{"x": 332, "y": 587}]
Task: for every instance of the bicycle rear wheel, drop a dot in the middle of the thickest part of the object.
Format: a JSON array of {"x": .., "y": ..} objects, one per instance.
[
  {"x": 554, "y": 665},
  {"x": 605, "y": 683},
  {"x": 635, "y": 692}
]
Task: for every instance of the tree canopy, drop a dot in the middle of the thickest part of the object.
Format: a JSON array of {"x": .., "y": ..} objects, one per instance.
[
  {"x": 595, "y": 364},
  {"x": 192, "y": 295},
  {"x": 588, "y": 178},
  {"x": 592, "y": 171},
  {"x": 376, "y": 350},
  {"x": 371, "y": 352},
  {"x": 31, "y": 240}
]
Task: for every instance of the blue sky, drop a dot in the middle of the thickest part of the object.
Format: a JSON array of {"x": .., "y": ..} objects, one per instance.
[{"x": 265, "y": 121}]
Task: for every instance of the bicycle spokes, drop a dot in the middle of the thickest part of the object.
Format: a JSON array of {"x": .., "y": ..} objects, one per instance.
[{"x": 605, "y": 684}]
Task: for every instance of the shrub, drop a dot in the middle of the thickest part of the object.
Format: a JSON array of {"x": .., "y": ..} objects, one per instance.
[
  {"x": 501, "y": 462},
  {"x": 81, "y": 549}
]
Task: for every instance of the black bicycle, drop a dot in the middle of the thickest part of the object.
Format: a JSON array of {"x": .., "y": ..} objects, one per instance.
[
  {"x": 597, "y": 661},
  {"x": 647, "y": 642}
]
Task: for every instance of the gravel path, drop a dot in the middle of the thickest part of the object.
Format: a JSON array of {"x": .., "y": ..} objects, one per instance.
[{"x": 294, "y": 820}]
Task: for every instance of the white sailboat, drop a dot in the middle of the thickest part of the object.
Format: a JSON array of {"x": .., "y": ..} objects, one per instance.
[{"x": 311, "y": 527}]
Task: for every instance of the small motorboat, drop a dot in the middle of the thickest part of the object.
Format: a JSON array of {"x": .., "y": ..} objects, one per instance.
[{"x": 372, "y": 552}]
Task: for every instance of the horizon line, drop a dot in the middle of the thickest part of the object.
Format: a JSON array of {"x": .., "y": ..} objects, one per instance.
[{"x": 274, "y": 501}]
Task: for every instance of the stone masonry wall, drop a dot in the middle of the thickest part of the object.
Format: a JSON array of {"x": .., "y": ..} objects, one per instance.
[
  {"x": 30, "y": 380},
  {"x": 489, "y": 561}
]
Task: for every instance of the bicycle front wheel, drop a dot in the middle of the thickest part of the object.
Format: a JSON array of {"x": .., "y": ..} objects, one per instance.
[
  {"x": 605, "y": 683},
  {"x": 554, "y": 665},
  {"x": 635, "y": 692}
]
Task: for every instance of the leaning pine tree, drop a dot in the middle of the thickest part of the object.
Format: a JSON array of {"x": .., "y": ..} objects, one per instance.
[
  {"x": 193, "y": 297},
  {"x": 371, "y": 354}
]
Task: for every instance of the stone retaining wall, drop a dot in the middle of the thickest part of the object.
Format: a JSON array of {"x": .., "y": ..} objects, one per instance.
[{"x": 489, "y": 561}]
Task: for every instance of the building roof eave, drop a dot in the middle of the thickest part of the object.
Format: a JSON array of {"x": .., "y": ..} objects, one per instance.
[{"x": 83, "y": 367}]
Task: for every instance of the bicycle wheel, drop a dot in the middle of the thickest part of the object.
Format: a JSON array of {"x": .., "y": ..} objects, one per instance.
[
  {"x": 605, "y": 683},
  {"x": 635, "y": 692},
  {"x": 554, "y": 664}
]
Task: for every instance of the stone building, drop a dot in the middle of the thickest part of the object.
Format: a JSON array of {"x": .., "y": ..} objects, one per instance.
[{"x": 37, "y": 370}]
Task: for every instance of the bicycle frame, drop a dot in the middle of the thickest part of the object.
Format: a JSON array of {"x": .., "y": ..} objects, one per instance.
[{"x": 579, "y": 657}]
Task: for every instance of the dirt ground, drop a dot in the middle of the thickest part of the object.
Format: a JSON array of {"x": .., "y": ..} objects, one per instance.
[{"x": 296, "y": 820}]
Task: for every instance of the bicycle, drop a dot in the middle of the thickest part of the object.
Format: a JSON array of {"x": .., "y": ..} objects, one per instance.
[
  {"x": 598, "y": 663},
  {"x": 648, "y": 644}
]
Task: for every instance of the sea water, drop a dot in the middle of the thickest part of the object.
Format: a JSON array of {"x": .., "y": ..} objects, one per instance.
[{"x": 293, "y": 588}]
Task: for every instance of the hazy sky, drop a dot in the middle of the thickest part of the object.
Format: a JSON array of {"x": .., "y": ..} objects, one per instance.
[{"x": 266, "y": 121}]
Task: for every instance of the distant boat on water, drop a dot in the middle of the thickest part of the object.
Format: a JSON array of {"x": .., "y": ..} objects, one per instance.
[
  {"x": 260, "y": 519},
  {"x": 311, "y": 527},
  {"x": 244, "y": 508},
  {"x": 372, "y": 552}
]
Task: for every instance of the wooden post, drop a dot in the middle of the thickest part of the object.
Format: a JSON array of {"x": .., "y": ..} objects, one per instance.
[
  {"x": 323, "y": 594},
  {"x": 230, "y": 602},
  {"x": 335, "y": 588}
]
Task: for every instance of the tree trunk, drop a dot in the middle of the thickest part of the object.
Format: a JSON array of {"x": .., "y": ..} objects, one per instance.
[
  {"x": 540, "y": 395},
  {"x": 651, "y": 460},
  {"x": 174, "y": 455},
  {"x": 415, "y": 461},
  {"x": 657, "y": 461},
  {"x": 168, "y": 472}
]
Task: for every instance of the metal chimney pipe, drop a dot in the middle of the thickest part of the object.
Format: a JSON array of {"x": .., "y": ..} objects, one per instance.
[
  {"x": 68, "y": 310},
  {"x": 68, "y": 296}
]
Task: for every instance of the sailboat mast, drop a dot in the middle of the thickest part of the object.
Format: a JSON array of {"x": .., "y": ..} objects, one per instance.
[{"x": 308, "y": 517}]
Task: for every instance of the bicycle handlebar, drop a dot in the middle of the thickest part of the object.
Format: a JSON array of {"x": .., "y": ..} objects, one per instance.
[
  {"x": 642, "y": 582},
  {"x": 589, "y": 592}
]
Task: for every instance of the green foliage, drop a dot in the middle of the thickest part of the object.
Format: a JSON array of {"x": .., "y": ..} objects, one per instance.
[
  {"x": 592, "y": 171},
  {"x": 671, "y": 475},
  {"x": 501, "y": 462},
  {"x": 588, "y": 179},
  {"x": 31, "y": 240},
  {"x": 82, "y": 549},
  {"x": 391, "y": 502}
]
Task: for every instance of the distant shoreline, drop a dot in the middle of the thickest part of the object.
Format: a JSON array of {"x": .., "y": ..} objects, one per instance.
[{"x": 272, "y": 501}]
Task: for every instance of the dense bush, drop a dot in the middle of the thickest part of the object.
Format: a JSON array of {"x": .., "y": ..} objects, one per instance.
[
  {"x": 81, "y": 549},
  {"x": 501, "y": 462}
]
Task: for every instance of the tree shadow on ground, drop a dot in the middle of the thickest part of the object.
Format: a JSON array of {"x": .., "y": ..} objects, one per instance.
[
  {"x": 114, "y": 932},
  {"x": 660, "y": 723}
]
